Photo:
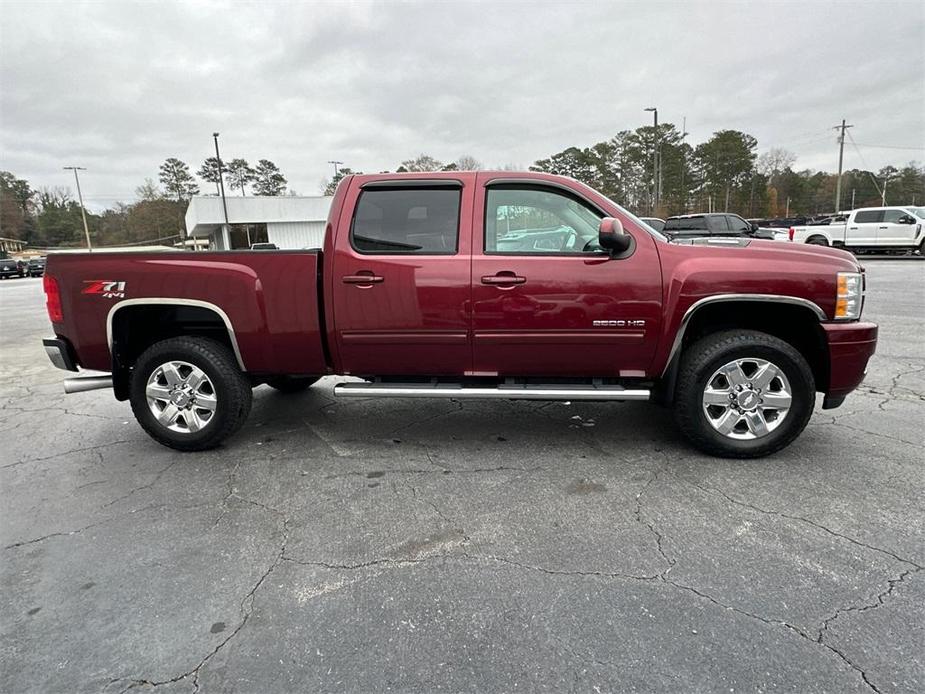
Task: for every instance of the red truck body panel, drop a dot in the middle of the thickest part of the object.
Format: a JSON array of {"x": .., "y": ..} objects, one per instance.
[
  {"x": 270, "y": 300},
  {"x": 572, "y": 315}
]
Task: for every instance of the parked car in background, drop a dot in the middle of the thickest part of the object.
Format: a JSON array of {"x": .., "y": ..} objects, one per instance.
[
  {"x": 880, "y": 229},
  {"x": 464, "y": 285},
  {"x": 9, "y": 267},
  {"x": 36, "y": 267},
  {"x": 654, "y": 222},
  {"x": 713, "y": 224}
]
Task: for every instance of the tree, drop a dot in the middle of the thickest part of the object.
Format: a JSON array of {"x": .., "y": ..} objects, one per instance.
[
  {"x": 177, "y": 179},
  {"x": 422, "y": 162},
  {"x": 267, "y": 179},
  {"x": 726, "y": 162},
  {"x": 331, "y": 186},
  {"x": 16, "y": 195},
  {"x": 210, "y": 171},
  {"x": 149, "y": 191},
  {"x": 775, "y": 160},
  {"x": 239, "y": 173},
  {"x": 468, "y": 163}
]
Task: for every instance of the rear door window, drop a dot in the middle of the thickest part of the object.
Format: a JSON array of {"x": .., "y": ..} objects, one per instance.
[
  {"x": 868, "y": 216},
  {"x": 407, "y": 221},
  {"x": 718, "y": 224}
]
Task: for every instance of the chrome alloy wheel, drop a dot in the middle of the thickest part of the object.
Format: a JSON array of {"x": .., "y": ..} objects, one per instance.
[
  {"x": 181, "y": 397},
  {"x": 747, "y": 399}
]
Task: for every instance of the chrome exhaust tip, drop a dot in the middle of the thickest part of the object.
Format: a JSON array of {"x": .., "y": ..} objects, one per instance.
[{"x": 84, "y": 383}]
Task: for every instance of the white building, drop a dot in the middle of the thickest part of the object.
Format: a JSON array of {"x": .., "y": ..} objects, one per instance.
[{"x": 287, "y": 221}]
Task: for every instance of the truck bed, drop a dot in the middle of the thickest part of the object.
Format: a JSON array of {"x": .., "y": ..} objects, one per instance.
[{"x": 268, "y": 300}]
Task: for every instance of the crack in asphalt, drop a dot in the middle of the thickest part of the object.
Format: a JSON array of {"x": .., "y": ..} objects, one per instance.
[
  {"x": 803, "y": 519},
  {"x": 878, "y": 601},
  {"x": 246, "y": 609},
  {"x": 62, "y": 453}
]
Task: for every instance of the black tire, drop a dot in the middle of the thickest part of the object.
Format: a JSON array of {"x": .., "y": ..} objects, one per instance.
[
  {"x": 817, "y": 241},
  {"x": 701, "y": 361},
  {"x": 232, "y": 391},
  {"x": 292, "y": 384}
]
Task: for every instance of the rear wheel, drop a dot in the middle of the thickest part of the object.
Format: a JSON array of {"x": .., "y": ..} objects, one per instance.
[
  {"x": 743, "y": 394},
  {"x": 817, "y": 241},
  {"x": 188, "y": 393},
  {"x": 292, "y": 384}
]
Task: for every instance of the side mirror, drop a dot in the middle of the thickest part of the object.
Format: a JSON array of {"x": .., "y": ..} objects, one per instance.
[
  {"x": 908, "y": 219},
  {"x": 611, "y": 237},
  {"x": 754, "y": 226}
]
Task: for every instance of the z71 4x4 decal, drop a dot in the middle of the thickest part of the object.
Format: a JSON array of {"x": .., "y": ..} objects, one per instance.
[{"x": 108, "y": 289}]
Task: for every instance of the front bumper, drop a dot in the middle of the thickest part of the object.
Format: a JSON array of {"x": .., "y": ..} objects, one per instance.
[
  {"x": 60, "y": 354},
  {"x": 851, "y": 345}
]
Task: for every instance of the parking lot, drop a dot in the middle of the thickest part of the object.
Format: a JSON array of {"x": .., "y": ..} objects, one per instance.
[{"x": 497, "y": 546}]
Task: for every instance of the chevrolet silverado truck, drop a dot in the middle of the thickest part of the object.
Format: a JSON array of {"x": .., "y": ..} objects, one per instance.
[
  {"x": 876, "y": 229},
  {"x": 472, "y": 285}
]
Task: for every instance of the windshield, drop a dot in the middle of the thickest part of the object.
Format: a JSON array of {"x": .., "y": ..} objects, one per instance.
[
  {"x": 648, "y": 227},
  {"x": 917, "y": 211}
]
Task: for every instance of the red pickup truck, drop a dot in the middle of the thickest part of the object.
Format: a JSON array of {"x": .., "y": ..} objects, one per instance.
[{"x": 472, "y": 285}]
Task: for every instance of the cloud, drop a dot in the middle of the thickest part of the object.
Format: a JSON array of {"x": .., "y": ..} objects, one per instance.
[{"x": 118, "y": 87}]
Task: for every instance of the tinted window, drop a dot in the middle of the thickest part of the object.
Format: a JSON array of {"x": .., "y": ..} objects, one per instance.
[
  {"x": 537, "y": 220},
  {"x": 407, "y": 221},
  {"x": 737, "y": 224},
  {"x": 717, "y": 224},
  {"x": 686, "y": 223},
  {"x": 867, "y": 216},
  {"x": 893, "y": 216}
]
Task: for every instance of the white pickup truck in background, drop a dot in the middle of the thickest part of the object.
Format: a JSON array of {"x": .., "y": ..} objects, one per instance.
[{"x": 869, "y": 229}]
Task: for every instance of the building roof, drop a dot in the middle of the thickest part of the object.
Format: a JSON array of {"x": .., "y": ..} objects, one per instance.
[{"x": 205, "y": 213}]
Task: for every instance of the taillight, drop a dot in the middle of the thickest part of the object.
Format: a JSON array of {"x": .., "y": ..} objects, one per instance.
[
  {"x": 790, "y": 233},
  {"x": 52, "y": 299}
]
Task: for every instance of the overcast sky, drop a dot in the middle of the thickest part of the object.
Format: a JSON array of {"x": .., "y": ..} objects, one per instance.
[{"x": 117, "y": 86}]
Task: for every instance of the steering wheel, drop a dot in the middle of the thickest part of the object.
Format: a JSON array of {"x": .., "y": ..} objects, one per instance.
[{"x": 592, "y": 245}]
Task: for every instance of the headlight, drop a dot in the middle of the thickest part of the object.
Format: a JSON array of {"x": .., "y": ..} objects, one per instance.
[{"x": 850, "y": 296}]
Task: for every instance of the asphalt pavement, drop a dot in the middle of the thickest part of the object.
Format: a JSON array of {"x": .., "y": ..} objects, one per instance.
[{"x": 371, "y": 546}]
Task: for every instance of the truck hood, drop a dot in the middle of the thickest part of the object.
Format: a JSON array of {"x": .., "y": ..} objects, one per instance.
[{"x": 764, "y": 251}]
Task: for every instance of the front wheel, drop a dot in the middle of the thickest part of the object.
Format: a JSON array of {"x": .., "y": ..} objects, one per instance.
[
  {"x": 743, "y": 394},
  {"x": 188, "y": 393}
]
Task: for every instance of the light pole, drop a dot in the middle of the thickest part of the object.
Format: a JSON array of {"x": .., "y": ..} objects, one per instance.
[
  {"x": 655, "y": 162},
  {"x": 226, "y": 232},
  {"x": 83, "y": 212},
  {"x": 336, "y": 164}
]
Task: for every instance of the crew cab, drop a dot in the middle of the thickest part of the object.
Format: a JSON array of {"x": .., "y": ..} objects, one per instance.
[
  {"x": 715, "y": 224},
  {"x": 472, "y": 285},
  {"x": 868, "y": 229}
]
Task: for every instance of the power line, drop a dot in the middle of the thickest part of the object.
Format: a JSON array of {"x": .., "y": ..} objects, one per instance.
[
  {"x": 860, "y": 144},
  {"x": 864, "y": 163}
]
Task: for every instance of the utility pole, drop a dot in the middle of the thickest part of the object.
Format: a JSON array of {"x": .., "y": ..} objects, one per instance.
[
  {"x": 83, "y": 212},
  {"x": 853, "y": 191},
  {"x": 655, "y": 167},
  {"x": 841, "y": 154},
  {"x": 336, "y": 164},
  {"x": 226, "y": 231},
  {"x": 883, "y": 193},
  {"x": 683, "y": 165}
]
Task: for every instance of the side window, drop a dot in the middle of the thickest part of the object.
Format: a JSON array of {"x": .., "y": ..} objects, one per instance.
[
  {"x": 407, "y": 221},
  {"x": 893, "y": 216},
  {"x": 537, "y": 220},
  {"x": 868, "y": 216},
  {"x": 718, "y": 224},
  {"x": 737, "y": 224}
]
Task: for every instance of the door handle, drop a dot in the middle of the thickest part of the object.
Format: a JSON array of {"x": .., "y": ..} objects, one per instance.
[
  {"x": 361, "y": 278},
  {"x": 502, "y": 279}
]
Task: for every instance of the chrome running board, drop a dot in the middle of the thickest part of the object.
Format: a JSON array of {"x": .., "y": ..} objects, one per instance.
[{"x": 500, "y": 392}]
